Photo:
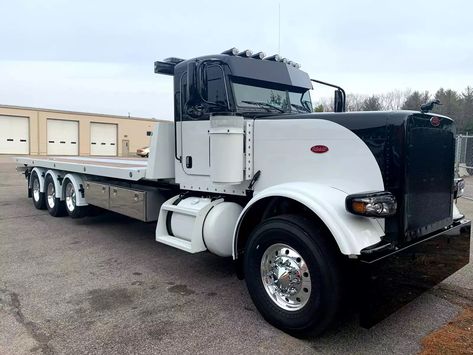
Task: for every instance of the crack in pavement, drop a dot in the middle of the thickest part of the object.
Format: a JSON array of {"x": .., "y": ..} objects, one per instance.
[{"x": 10, "y": 302}]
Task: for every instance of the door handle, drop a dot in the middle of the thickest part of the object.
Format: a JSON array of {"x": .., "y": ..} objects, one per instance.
[{"x": 188, "y": 162}]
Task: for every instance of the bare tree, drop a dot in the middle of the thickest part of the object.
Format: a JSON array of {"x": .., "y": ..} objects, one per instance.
[
  {"x": 371, "y": 103},
  {"x": 355, "y": 102},
  {"x": 393, "y": 100},
  {"x": 456, "y": 105}
]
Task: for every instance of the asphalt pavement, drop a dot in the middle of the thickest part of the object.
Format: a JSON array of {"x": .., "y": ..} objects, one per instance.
[{"x": 103, "y": 285}]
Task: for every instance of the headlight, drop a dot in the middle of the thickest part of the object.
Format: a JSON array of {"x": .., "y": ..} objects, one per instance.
[
  {"x": 459, "y": 188},
  {"x": 372, "y": 204}
]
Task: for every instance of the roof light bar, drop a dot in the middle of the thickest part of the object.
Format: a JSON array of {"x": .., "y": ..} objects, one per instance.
[
  {"x": 259, "y": 55},
  {"x": 231, "y": 51},
  {"x": 247, "y": 53}
]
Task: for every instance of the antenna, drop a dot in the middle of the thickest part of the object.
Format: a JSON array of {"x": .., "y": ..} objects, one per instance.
[{"x": 279, "y": 28}]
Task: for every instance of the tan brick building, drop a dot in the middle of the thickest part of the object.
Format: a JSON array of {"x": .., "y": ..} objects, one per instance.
[{"x": 37, "y": 131}]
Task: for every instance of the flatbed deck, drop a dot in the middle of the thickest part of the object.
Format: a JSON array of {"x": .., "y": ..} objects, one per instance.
[{"x": 132, "y": 169}]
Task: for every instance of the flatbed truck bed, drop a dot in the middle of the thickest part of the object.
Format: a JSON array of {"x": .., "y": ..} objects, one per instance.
[{"x": 117, "y": 168}]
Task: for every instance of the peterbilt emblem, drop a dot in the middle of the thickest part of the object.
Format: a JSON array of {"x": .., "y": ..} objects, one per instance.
[
  {"x": 319, "y": 149},
  {"x": 435, "y": 121}
]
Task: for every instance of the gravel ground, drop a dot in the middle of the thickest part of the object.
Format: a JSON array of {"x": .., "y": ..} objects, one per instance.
[{"x": 103, "y": 285}]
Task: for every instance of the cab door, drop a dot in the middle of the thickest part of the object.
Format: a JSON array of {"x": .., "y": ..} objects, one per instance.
[{"x": 194, "y": 132}]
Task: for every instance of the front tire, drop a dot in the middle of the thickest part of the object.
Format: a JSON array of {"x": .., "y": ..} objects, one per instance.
[
  {"x": 72, "y": 209},
  {"x": 293, "y": 275},
  {"x": 54, "y": 204},
  {"x": 37, "y": 196}
]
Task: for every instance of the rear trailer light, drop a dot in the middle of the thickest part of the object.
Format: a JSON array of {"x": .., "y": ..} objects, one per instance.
[
  {"x": 372, "y": 204},
  {"x": 459, "y": 188}
]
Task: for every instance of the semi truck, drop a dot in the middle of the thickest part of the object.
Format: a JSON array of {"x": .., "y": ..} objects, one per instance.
[{"x": 317, "y": 210}]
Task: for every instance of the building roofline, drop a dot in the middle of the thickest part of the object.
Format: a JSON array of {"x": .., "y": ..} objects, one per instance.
[{"x": 14, "y": 107}]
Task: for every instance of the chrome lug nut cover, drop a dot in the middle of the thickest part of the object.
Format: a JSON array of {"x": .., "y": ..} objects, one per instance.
[{"x": 285, "y": 277}]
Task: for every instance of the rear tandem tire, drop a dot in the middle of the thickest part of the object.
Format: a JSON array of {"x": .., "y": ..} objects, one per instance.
[
  {"x": 36, "y": 195},
  {"x": 293, "y": 275},
  {"x": 54, "y": 204},
  {"x": 72, "y": 209}
]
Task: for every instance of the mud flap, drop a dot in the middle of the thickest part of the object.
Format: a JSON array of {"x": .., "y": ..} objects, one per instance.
[{"x": 393, "y": 280}]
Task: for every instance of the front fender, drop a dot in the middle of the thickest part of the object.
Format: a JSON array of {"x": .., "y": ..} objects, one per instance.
[{"x": 351, "y": 233}]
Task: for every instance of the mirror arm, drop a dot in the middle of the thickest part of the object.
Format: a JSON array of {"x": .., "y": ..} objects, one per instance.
[{"x": 344, "y": 96}]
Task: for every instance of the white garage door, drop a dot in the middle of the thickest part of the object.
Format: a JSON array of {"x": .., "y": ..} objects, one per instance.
[
  {"x": 103, "y": 139},
  {"x": 14, "y": 135},
  {"x": 63, "y": 137}
]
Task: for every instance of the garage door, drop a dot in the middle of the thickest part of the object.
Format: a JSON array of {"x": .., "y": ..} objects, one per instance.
[
  {"x": 63, "y": 137},
  {"x": 14, "y": 135},
  {"x": 103, "y": 139}
]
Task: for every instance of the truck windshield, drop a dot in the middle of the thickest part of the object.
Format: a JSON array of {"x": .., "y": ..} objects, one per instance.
[{"x": 247, "y": 96}]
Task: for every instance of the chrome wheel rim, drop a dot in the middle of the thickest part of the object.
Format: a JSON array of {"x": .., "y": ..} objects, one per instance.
[
  {"x": 51, "y": 195},
  {"x": 36, "y": 191},
  {"x": 285, "y": 277},
  {"x": 70, "y": 197}
]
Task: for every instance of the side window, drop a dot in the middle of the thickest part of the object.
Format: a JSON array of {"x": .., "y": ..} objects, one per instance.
[
  {"x": 182, "y": 99},
  {"x": 215, "y": 91}
]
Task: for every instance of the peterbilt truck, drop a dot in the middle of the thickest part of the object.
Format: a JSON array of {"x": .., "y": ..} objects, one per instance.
[{"x": 317, "y": 210}]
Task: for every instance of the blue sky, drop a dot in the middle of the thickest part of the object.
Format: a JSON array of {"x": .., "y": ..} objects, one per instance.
[{"x": 98, "y": 56}]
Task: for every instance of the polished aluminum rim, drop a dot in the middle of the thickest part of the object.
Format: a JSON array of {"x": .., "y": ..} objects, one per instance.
[
  {"x": 36, "y": 191},
  {"x": 70, "y": 197},
  {"x": 51, "y": 195},
  {"x": 285, "y": 277}
]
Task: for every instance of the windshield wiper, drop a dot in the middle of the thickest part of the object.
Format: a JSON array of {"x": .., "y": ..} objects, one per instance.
[
  {"x": 300, "y": 108},
  {"x": 264, "y": 105}
]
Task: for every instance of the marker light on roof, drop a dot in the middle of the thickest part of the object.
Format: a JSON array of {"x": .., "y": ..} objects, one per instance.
[
  {"x": 274, "y": 58},
  {"x": 259, "y": 55},
  {"x": 231, "y": 51},
  {"x": 245, "y": 53}
]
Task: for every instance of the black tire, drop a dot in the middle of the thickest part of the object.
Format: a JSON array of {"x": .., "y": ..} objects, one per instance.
[
  {"x": 324, "y": 291},
  {"x": 72, "y": 209},
  {"x": 38, "y": 197},
  {"x": 55, "y": 206}
]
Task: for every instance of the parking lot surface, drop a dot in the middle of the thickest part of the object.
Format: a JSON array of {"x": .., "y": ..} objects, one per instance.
[{"x": 103, "y": 285}]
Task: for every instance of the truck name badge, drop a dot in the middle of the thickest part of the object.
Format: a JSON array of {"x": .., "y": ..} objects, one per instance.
[{"x": 319, "y": 149}]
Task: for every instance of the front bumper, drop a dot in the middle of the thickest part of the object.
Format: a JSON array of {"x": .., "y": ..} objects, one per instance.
[{"x": 393, "y": 279}]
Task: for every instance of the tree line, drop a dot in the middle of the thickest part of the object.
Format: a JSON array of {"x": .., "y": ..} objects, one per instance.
[{"x": 457, "y": 105}]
